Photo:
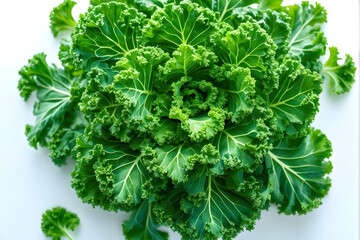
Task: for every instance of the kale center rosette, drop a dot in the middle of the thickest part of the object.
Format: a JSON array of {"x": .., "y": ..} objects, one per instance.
[{"x": 194, "y": 115}]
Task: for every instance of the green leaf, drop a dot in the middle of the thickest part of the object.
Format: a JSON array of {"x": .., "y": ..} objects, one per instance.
[
  {"x": 307, "y": 41},
  {"x": 203, "y": 127},
  {"x": 84, "y": 180},
  {"x": 341, "y": 77},
  {"x": 274, "y": 23},
  {"x": 173, "y": 160},
  {"x": 61, "y": 18},
  {"x": 188, "y": 61},
  {"x": 106, "y": 33},
  {"x": 296, "y": 101},
  {"x": 62, "y": 143},
  {"x": 168, "y": 131},
  {"x": 270, "y": 4},
  {"x": 249, "y": 46},
  {"x": 122, "y": 168},
  {"x": 225, "y": 8},
  {"x": 240, "y": 88},
  {"x": 224, "y": 212},
  {"x": 57, "y": 223},
  {"x": 185, "y": 23},
  {"x": 52, "y": 86},
  {"x": 143, "y": 225},
  {"x": 235, "y": 144},
  {"x": 296, "y": 172},
  {"x": 136, "y": 81},
  {"x": 140, "y": 4}
]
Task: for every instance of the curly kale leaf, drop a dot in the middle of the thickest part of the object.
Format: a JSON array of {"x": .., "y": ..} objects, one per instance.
[
  {"x": 57, "y": 223},
  {"x": 61, "y": 18},
  {"x": 341, "y": 77},
  {"x": 173, "y": 25},
  {"x": 225, "y": 8},
  {"x": 296, "y": 101},
  {"x": 297, "y": 169},
  {"x": 106, "y": 33},
  {"x": 307, "y": 41},
  {"x": 143, "y": 225},
  {"x": 52, "y": 86}
]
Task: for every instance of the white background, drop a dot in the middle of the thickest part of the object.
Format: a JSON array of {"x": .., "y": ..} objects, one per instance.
[{"x": 30, "y": 183}]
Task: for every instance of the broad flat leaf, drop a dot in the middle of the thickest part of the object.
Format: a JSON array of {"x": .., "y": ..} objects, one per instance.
[
  {"x": 174, "y": 158},
  {"x": 52, "y": 86},
  {"x": 174, "y": 25},
  {"x": 307, "y": 41},
  {"x": 249, "y": 46},
  {"x": 61, "y": 18},
  {"x": 296, "y": 101},
  {"x": 223, "y": 212},
  {"x": 233, "y": 143},
  {"x": 142, "y": 224},
  {"x": 137, "y": 79},
  {"x": 106, "y": 33},
  {"x": 342, "y": 76},
  {"x": 296, "y": 172}
]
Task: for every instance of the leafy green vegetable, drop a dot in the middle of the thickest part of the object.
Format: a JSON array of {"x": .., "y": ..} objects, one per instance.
[
  {"x": 57, "y": 223},
  {"x": 272, "y": 4},
  {"x": 341, "y": 77},
  {"x": 61, "y": 18},
  {"x": 307, "y": 41},
  {"x": 195, "y": 115}
]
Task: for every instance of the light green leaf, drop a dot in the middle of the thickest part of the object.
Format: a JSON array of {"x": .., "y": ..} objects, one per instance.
[
  {"x": 249, "y": 46},
  {"x": 272, "y": 4},
  {"x": 274, "y": 23},
  {"x": 106, "y": 33},
  {"x": 57, "y": 222},
  {"x": 225, "y": 8},
  {"x": 240, "y": 88},
  {"x": 187, "y": 61},
  {"x": 296, "y": 101},
  {"x": 61, "y": 18},
  {"x": 203, "y": 127},
  {"x": 136, "y": 81},
  {"x": 174, "y": 25},
  {"x": 296, "y": 172},
  {"x": 341, "y": 77}
]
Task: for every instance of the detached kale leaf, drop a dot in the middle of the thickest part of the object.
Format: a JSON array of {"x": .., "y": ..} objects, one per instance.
[
  {"x": 341, "y": 77},
  {"x": 57, "y": 223},
  {"x": 61, "y": 18}
]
